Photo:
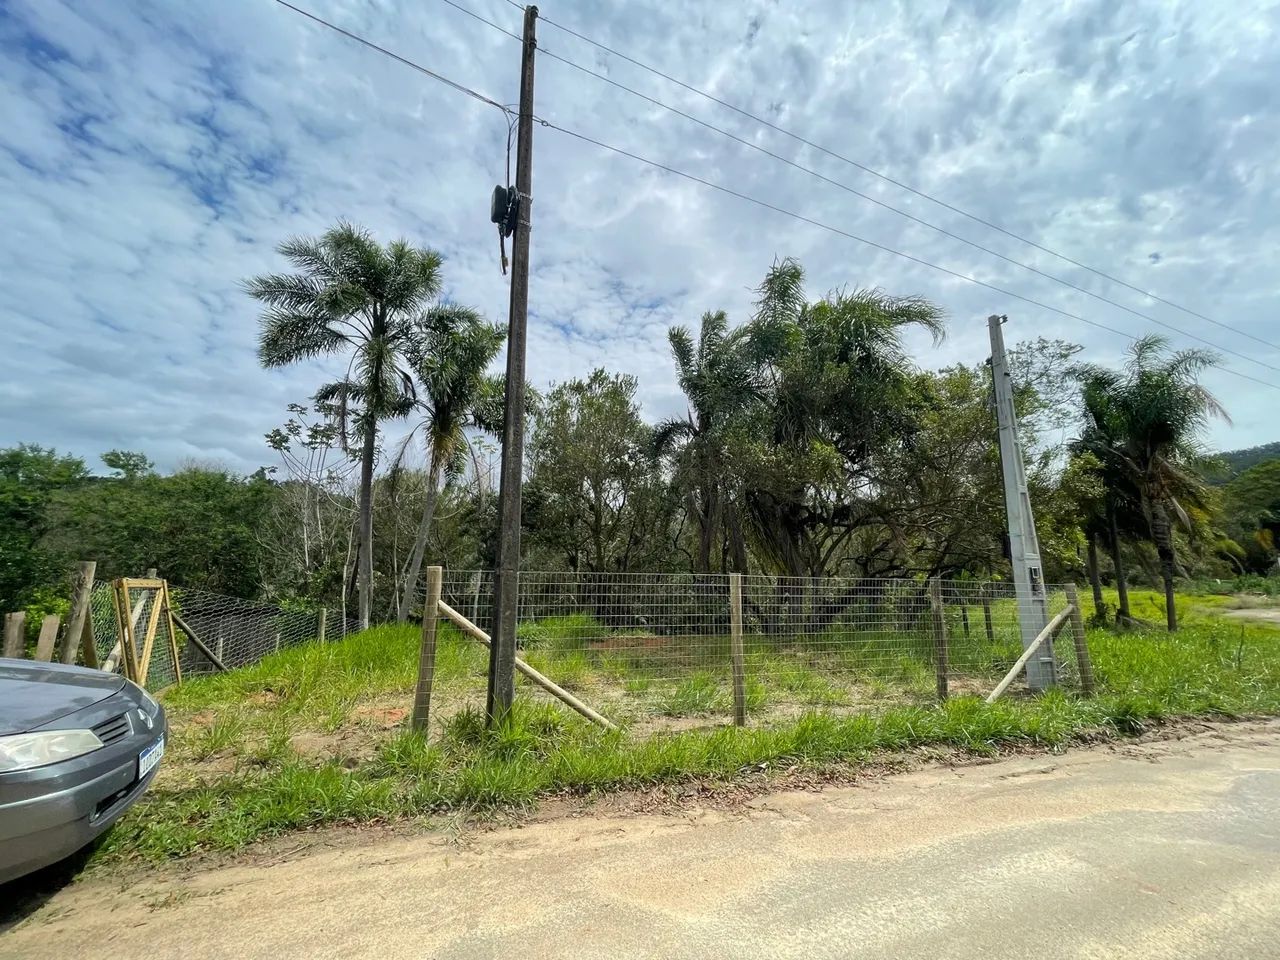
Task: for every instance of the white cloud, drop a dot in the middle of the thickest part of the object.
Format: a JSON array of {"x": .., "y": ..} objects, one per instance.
[{"x": 153, "y": 155}]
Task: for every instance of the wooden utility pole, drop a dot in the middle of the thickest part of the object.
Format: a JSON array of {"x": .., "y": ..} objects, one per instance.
[{"x": 506, "y": 587}]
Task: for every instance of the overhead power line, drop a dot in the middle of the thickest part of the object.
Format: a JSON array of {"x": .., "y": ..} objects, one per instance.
[
  {"x": 853, "y": 236},
  {"x": 395, "y": 56},
  {"x": 895, "y": 182},
  {"x": 742, "y": 196},
  {"x": 880, "y": 203}
]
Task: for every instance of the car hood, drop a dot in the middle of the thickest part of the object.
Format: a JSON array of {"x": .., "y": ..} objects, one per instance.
[{"x": 33, "y": 694}]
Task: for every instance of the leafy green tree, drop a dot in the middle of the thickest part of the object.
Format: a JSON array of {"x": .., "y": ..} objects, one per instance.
[
  {"x": 838, "y": 392},
  {"x": 356, "y": 298},
  {"x": 1144, "y": 425},
  {"x": 455, "y": 394},
  {"x": 595, "y": 497},
  {"x": 128, "y": 463},
  {"x": 200, "y": 527},
  {"x": 30, "y": 477}
]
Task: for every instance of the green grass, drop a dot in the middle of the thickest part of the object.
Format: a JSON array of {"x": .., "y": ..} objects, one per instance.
[
  {"x": 236, "y": 776},
  {"x": 704, "y": 693}
]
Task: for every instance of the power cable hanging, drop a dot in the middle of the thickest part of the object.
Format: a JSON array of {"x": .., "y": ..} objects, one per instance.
[
  {"x": 880, "y": 203},
  {"x": 750, "y": 199},
  {"x": 898, "y": 183}
]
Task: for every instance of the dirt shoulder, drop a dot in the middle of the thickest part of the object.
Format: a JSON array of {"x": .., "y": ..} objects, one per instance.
[{"x": 646, "y": 872}]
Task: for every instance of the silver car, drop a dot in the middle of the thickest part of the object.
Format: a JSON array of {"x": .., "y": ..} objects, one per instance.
[{"x": 77, "y": 748}]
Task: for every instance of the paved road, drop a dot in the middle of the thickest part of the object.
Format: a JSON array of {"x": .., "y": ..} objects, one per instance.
[{"x": 1163, "y": 850}]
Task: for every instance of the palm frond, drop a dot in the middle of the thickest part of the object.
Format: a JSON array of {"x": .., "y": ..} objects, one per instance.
[
  {"x": 287, "y": 336},
  {"x": 667, "y": 434},
  {"x": 781, "y": 295},
  {"x": 682, "y": 350}
]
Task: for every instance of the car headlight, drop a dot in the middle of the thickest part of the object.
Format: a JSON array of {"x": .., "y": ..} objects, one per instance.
[{"x": 22, "y": 751}]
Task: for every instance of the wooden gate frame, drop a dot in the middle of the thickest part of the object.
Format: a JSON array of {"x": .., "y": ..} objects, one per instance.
[{"x": 136, "y": 664}]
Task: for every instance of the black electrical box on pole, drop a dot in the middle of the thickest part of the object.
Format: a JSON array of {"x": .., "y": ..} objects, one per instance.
[{"x": 506, "y": 582}]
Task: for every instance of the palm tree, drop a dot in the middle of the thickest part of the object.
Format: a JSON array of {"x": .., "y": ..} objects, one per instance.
[
  {"x": 837, "y": 380},
  {"x": 1148, "y": 421},
  {"x": 717, "y": 380},
  {"x": 351, "y": 296},
  {"x": 455, "y": 395},
  {"x": 1098, "y": 439}
]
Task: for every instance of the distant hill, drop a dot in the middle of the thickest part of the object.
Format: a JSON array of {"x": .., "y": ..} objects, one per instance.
[{"x": 1238, "y": 461}]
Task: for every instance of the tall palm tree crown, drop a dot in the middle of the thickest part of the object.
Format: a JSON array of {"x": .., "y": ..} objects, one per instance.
[
  {"x": 1145, "y": 425},
  {"x": 456, "y": 394},
  {"x": 718, "y": 381},
  {"x": 351, "y": 295}
]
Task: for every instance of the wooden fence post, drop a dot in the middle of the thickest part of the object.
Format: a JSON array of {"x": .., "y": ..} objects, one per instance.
[
  {"x": 81, "y": 610},
  {"x": 421, "y": 719},
  {"x": 735, "y": 642},
  {"x": 15, "y": 642},
  {"x": 173, "y": 631},
  {"x": 1083, "y": 660},
  {"x": 120, "y": 588},
  {"x": 322, "y": 623},
  {"x": 986, "y": 613},
  {"x": 940, "y": 653},
  {"x": 48, "y": 637}
]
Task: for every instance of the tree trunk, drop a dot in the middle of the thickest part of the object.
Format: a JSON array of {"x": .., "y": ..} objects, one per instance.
[
  {"x": 366, "y": 523},
  {"x": 420, "y": 541},
  {"x": 1095, "y": 577},
  {"x": 1162, "y": 534},
  {"x": 1122, "y": 587}
]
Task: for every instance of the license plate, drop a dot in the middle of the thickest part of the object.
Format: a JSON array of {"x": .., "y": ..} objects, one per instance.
[{"x": 149, "y": 757}]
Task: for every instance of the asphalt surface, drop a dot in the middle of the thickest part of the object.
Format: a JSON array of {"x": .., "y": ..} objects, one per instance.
[{"x": 1156, "y": 850}]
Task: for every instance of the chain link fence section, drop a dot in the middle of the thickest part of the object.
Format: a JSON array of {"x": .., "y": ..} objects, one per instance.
[
  {"x": 239, "y": 632},
  {"x": 655, "y": 650}
]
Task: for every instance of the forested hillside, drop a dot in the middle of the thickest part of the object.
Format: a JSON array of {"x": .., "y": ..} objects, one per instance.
[{"x": 1236, "y": 462}]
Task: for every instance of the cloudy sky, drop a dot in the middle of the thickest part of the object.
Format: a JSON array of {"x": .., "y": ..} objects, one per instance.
[{"x": 153, "y": 154}]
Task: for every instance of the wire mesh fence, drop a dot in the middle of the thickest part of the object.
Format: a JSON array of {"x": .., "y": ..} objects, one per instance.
[
  {"x": 657, "y": 649},
  {"x": 238, "y": 632}
]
